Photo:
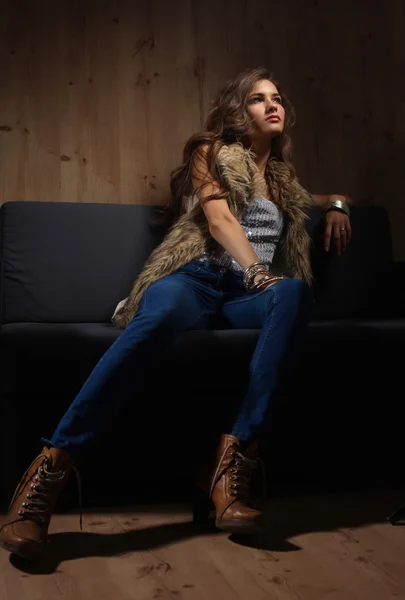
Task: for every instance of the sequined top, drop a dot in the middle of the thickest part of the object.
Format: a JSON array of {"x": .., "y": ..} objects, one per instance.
[{"x": 263, "y": 223}]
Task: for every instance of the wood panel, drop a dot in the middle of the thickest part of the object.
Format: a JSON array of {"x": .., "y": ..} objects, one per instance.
[{"x": 98, "y": 98}]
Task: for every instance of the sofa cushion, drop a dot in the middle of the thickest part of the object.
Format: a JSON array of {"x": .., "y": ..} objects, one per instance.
[
  {"x": 70, "y": 262},
  {"x": 80, "y": 340}
]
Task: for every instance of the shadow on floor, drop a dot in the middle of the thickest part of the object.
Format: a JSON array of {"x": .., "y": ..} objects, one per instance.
[{"x": 287, "y": 518}]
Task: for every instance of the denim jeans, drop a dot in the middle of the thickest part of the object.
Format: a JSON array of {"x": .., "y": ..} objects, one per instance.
[{"x": 182, "y": 301}]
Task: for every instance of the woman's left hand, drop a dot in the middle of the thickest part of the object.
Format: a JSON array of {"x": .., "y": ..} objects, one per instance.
[{"x": 337, "y": 223}]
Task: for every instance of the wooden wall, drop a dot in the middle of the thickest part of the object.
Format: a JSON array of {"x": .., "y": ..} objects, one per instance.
[{"x": 98, "y": 98}]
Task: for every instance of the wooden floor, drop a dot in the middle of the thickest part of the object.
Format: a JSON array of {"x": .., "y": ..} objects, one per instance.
[{"x": 319, "y": 546}]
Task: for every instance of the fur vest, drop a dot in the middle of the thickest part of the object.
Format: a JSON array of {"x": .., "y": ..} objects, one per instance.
[{"x": 189, "y": 237}]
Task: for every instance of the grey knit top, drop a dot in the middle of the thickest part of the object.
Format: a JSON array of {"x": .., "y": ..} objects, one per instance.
[{"x": 263, "y": 223}]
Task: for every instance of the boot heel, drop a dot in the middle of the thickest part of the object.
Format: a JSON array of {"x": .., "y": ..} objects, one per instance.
[{"x": 202, "y": 507}]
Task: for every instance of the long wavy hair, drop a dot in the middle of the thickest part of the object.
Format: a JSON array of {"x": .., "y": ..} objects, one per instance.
[{"x": 228, "y": 122}]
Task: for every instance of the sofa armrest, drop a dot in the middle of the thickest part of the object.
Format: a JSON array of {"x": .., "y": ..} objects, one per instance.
[
  {"x": 399, "y": 268},
  {"x": 399, "y": 285},
  {"x": 359, "y": 283}
]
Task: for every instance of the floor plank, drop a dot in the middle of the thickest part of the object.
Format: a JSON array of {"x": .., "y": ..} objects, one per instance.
[{"x": 335, "y": 546}]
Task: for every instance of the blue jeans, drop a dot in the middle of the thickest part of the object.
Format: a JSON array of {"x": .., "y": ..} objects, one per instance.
[{"x": 187, "y": 300}]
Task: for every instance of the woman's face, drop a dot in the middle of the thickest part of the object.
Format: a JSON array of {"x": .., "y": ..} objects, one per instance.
[{"x": 264, "y": 106}]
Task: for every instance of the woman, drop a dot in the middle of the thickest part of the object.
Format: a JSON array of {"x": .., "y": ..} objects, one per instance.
[{"x": 235, "y": 202}]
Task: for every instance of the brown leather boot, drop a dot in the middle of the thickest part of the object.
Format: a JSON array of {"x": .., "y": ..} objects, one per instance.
[
  {"x": 26, "y": 528},
  {"x": 226, "y": 486}
]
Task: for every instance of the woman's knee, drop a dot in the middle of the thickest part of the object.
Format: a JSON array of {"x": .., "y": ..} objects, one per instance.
[
  {"x": 295, "y": 293},
  {"x": 298, "y": 287}
]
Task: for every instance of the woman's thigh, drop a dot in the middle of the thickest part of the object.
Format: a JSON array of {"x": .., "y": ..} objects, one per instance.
[
  {"x": 251, "y": 310},
  {"x": 186, "y": 298}
]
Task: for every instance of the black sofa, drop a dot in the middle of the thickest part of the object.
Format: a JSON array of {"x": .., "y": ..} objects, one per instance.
[{"x": 64, "y": 267}]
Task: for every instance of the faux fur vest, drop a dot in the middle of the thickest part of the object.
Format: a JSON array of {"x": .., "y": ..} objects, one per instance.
[{"x": 189, "y": 236}]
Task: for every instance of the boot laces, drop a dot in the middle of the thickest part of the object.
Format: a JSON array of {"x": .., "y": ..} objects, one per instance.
[
  {"x": 36, "y": 507},
  {"x": 241, "y": 468}
]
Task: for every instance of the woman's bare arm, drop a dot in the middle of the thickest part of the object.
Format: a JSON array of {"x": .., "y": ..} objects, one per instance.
[{"x": 223, "y": 226}]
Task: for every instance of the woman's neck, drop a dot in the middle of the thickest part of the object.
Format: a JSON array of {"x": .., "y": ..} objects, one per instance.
[
  {"x": 262, "y": 153},
  {"x": 261, "y": 161}
]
